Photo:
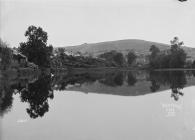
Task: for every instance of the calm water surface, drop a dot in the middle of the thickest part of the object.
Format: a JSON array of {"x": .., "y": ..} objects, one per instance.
[{"x": 99, "y": 106}]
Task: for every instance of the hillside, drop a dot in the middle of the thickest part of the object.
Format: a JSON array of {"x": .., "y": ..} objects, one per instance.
[{"x": 139, "y": 46}]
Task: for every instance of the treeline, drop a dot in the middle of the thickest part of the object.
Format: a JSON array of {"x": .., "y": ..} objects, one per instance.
[
  {"x": 5, "y": 55},
  {"x": 175, "y": 57},
  {"x": 109, "y": 59},
  {"x": 43, "y": 55},
  {"x": 61, "y": 59},
  {"x": 118, "y": 59}
]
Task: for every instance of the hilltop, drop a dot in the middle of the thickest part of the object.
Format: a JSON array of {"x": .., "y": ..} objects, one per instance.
[{"x": 139, "y": 46}]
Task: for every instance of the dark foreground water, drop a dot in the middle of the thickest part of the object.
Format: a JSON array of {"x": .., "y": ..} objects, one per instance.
[{"x": 98, "y": 105}]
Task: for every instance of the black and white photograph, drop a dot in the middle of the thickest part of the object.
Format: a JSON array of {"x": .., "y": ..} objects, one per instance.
[{"x": 97, "y": 69}]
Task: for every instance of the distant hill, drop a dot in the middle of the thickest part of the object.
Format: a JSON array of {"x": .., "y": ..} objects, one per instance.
[{"x": 139, "y": 46}]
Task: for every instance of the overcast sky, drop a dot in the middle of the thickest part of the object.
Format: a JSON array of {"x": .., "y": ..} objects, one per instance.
[{"x": 73, "y": 22}]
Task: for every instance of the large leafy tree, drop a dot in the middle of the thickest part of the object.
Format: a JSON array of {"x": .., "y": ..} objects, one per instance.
[
  {"x": 153, "y": 58},
  {"x": 177, "y": 54},
  {"x": 114, "y": 57},
  {"x": 36, "y": 48},
  {"x": 131, "y": 57}
]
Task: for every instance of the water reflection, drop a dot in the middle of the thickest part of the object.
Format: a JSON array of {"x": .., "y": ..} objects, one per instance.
[
  {"x": 131, "y": 79},
  {"x": 37, "y": 95},
  {"x": 37, "y": 90},
  {"x": 11, "y": 83},
  {"x": 113, "y": 79},
  {"x": 6, "y": 95},
  {"x": 175, "y": 79}
]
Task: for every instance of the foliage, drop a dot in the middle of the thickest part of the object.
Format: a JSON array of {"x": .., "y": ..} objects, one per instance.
[
  {"x": 175, "y": 57},
  {"x": 114, "y": 57},
  {"x": 131, "y": 57},
  {"x": 153, "y": 58},
  {"x": 36, "y": 48},
  {"x": 62, "y": 59},
  {"x": 189, "y": 64},
  {"x": 5, "y": 55}
]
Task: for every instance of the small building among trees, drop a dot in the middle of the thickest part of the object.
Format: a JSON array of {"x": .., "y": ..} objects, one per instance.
[{"x": 19, "y": 60}]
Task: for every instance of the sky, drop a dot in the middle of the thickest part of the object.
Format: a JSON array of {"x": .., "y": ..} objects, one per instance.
[{"x": 74, "y": 22}]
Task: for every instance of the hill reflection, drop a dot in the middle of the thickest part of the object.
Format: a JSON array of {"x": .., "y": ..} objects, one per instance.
[{"x": 36, "y": 90}]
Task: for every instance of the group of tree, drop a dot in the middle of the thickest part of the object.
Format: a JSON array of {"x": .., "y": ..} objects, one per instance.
[
  {"x": 35, "y": 49},
  {"x": 114, "y": 57},
  {"x": 175, "y": 57},
  {"x": 118, "y": 59},
  {"x": 5, "y": 55},
  {"x": 61, "y": 59}
]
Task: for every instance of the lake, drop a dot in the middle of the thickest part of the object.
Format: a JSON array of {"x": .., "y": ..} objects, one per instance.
[{"x": 98, "y": 105}]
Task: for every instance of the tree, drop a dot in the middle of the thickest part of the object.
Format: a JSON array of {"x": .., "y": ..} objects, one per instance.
[
  {"x": 36, "y": 48},
  {"x": 119, "y": 59},
  {"x": 113, "y": 57},
  {"x": 154, "y": 50},
  {"x": 153, "y": 57},
  {"x": 177, "y": 54},
  {"x": 131, "y": 56}
]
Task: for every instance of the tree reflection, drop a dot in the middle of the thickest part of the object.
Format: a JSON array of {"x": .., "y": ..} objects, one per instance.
[
  {"x": 175, "y": 93},
  {"x": 175, "y": 79},
  {"x": 131, "y": 79},
  {"x": 155, "y": 84},
  {"x": 37, "y": 95},
  {"x": 61, "y": 82},
  {"x": 6, "y": 94},
  {"x": 36, "y": 91},
  {"x": 6, "y": 100},
  {"x": 113, "y": 79}
]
